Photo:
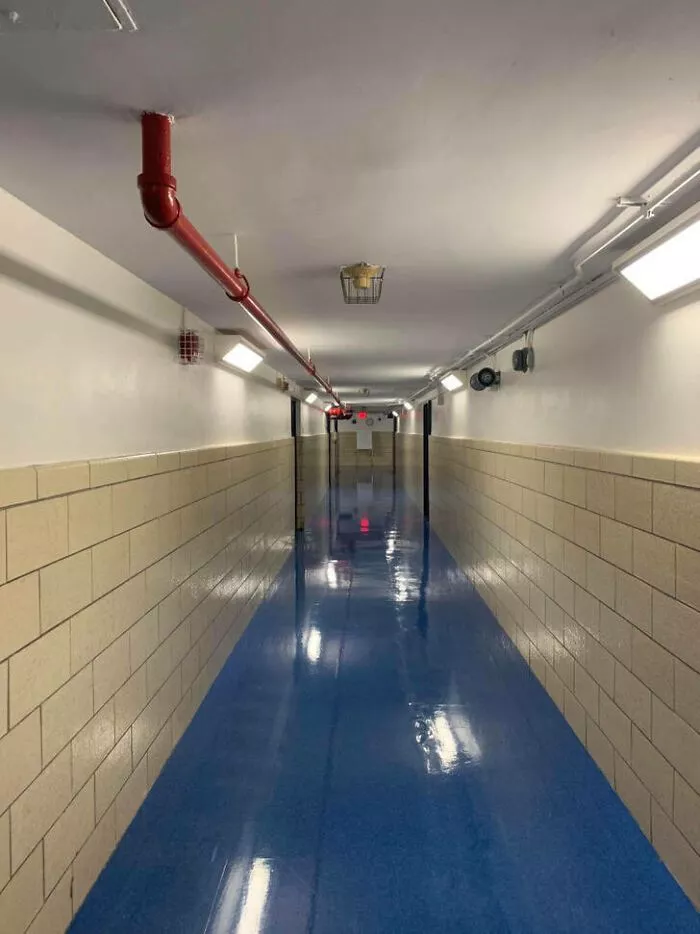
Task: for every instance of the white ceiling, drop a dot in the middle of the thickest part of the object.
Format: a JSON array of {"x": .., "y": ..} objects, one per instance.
[{"x": 465, "y": 144}]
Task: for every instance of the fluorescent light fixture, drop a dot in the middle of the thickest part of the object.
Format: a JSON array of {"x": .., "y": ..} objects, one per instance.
[
  {"x": 408, "y": 406},
  {"x": 668, "y": 267},
  {"x": 243, "y": 357},
  {"x": 451, "y": 382},
  {"x": 311, "y": 398}
]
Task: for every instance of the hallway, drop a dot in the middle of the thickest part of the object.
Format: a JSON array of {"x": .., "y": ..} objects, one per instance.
[{"x": 377, "y": 757}]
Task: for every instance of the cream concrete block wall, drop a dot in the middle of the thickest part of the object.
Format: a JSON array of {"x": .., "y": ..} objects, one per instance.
[
  {"x": 382, "y": 449},
  {"x": 311, "y": 461},
  {"x": 124, "y": 585},
  {"x": 312, "y": 474},
  {"x": 590, "y": 562},
  {"x": 409, "y": 465},
  {"x": 380, "y": 455},
  {"x": 348, "y": 455}
]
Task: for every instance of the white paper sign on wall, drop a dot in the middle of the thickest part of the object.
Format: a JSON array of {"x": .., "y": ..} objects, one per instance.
[{"x": 364, "y": 440}]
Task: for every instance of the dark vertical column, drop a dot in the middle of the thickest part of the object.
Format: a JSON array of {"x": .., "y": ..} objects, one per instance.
[
  {"x": 336, "y": 451},
  {"x": 427, "y": 431},
  {"x": 395, "y": 470},
  {"x": 329, "y": 494},
  {"x": 330, "y": 452},
  {"x": 298, "y": 492}
]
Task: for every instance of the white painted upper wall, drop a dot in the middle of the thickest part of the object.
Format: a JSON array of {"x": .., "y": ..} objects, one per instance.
[
  {"x": 616, "y": 373},
  {"x": 411, "y": 423},
  {"x": 386, "y": 424},
  {"x": 312, "y": 420},
  {"x": 80, "y": 380},
  {"x": 89, "y": 364}
]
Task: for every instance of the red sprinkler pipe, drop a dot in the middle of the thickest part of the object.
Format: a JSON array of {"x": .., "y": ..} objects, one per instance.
[{"x": 164, "y": 212}]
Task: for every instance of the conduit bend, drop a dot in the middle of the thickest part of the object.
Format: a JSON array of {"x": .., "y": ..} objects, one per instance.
[{"x": 163, "y": 211}]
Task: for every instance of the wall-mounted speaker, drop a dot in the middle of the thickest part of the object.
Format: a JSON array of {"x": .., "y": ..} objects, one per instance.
[
  {"x": 523, "y": 359},
  {"x": 485, "y": 378}
]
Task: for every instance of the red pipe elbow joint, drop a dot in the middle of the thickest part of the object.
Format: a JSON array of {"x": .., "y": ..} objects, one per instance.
[
  {"x": 156, "y": 183},
  {"x": 164, "y": 212}
]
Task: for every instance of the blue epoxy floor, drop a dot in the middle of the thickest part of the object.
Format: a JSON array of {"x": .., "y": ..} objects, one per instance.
[{"x": 376, "y": 757}]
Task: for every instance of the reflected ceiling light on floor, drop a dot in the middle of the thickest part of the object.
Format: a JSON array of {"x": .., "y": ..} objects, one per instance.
[
  {"x": 408, "y": 406},
  {"x": 445, "y": 742},
  {"x": 667, "y": 263},
  {"x": 465, "y": 736},
  {"x": 451, "y": 382},
  {"x": 256, "y": 896},
  {"x": 313, "y": 645},
  {"x": 243, "y": 357},
  {"x": 332, "y": 575},
  {"x": 311, "y": 398}
]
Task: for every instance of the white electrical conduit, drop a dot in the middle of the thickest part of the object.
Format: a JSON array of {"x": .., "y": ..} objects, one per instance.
[
  {"x": 647, "y": 214},
  {"x": 557, "y": 296}
]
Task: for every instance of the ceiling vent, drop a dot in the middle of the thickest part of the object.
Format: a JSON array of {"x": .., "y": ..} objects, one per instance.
[
  {"x": 27, "y": 16},
  {"x": 362, "y": 283}
]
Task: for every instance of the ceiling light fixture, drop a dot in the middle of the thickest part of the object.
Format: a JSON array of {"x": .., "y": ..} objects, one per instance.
[
  {"x": 362, "y": 283},
  {"x": 243, "y": 357},
  {"x": 666, "y": 263},
  {"x": 451, "y": 382},
  {"x": 407, "y": 405},
  {"x": 311, "y": 398},
  {"x": 395, "y": 414}
]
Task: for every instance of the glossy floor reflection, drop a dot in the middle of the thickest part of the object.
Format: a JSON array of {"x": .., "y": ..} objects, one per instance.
[{"x": 376, "y": 757}]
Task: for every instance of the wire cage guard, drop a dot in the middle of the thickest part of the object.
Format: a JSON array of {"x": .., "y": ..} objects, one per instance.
[
  {"x": 190, "y": 347},
  {"x": 362, "y": 283}
]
